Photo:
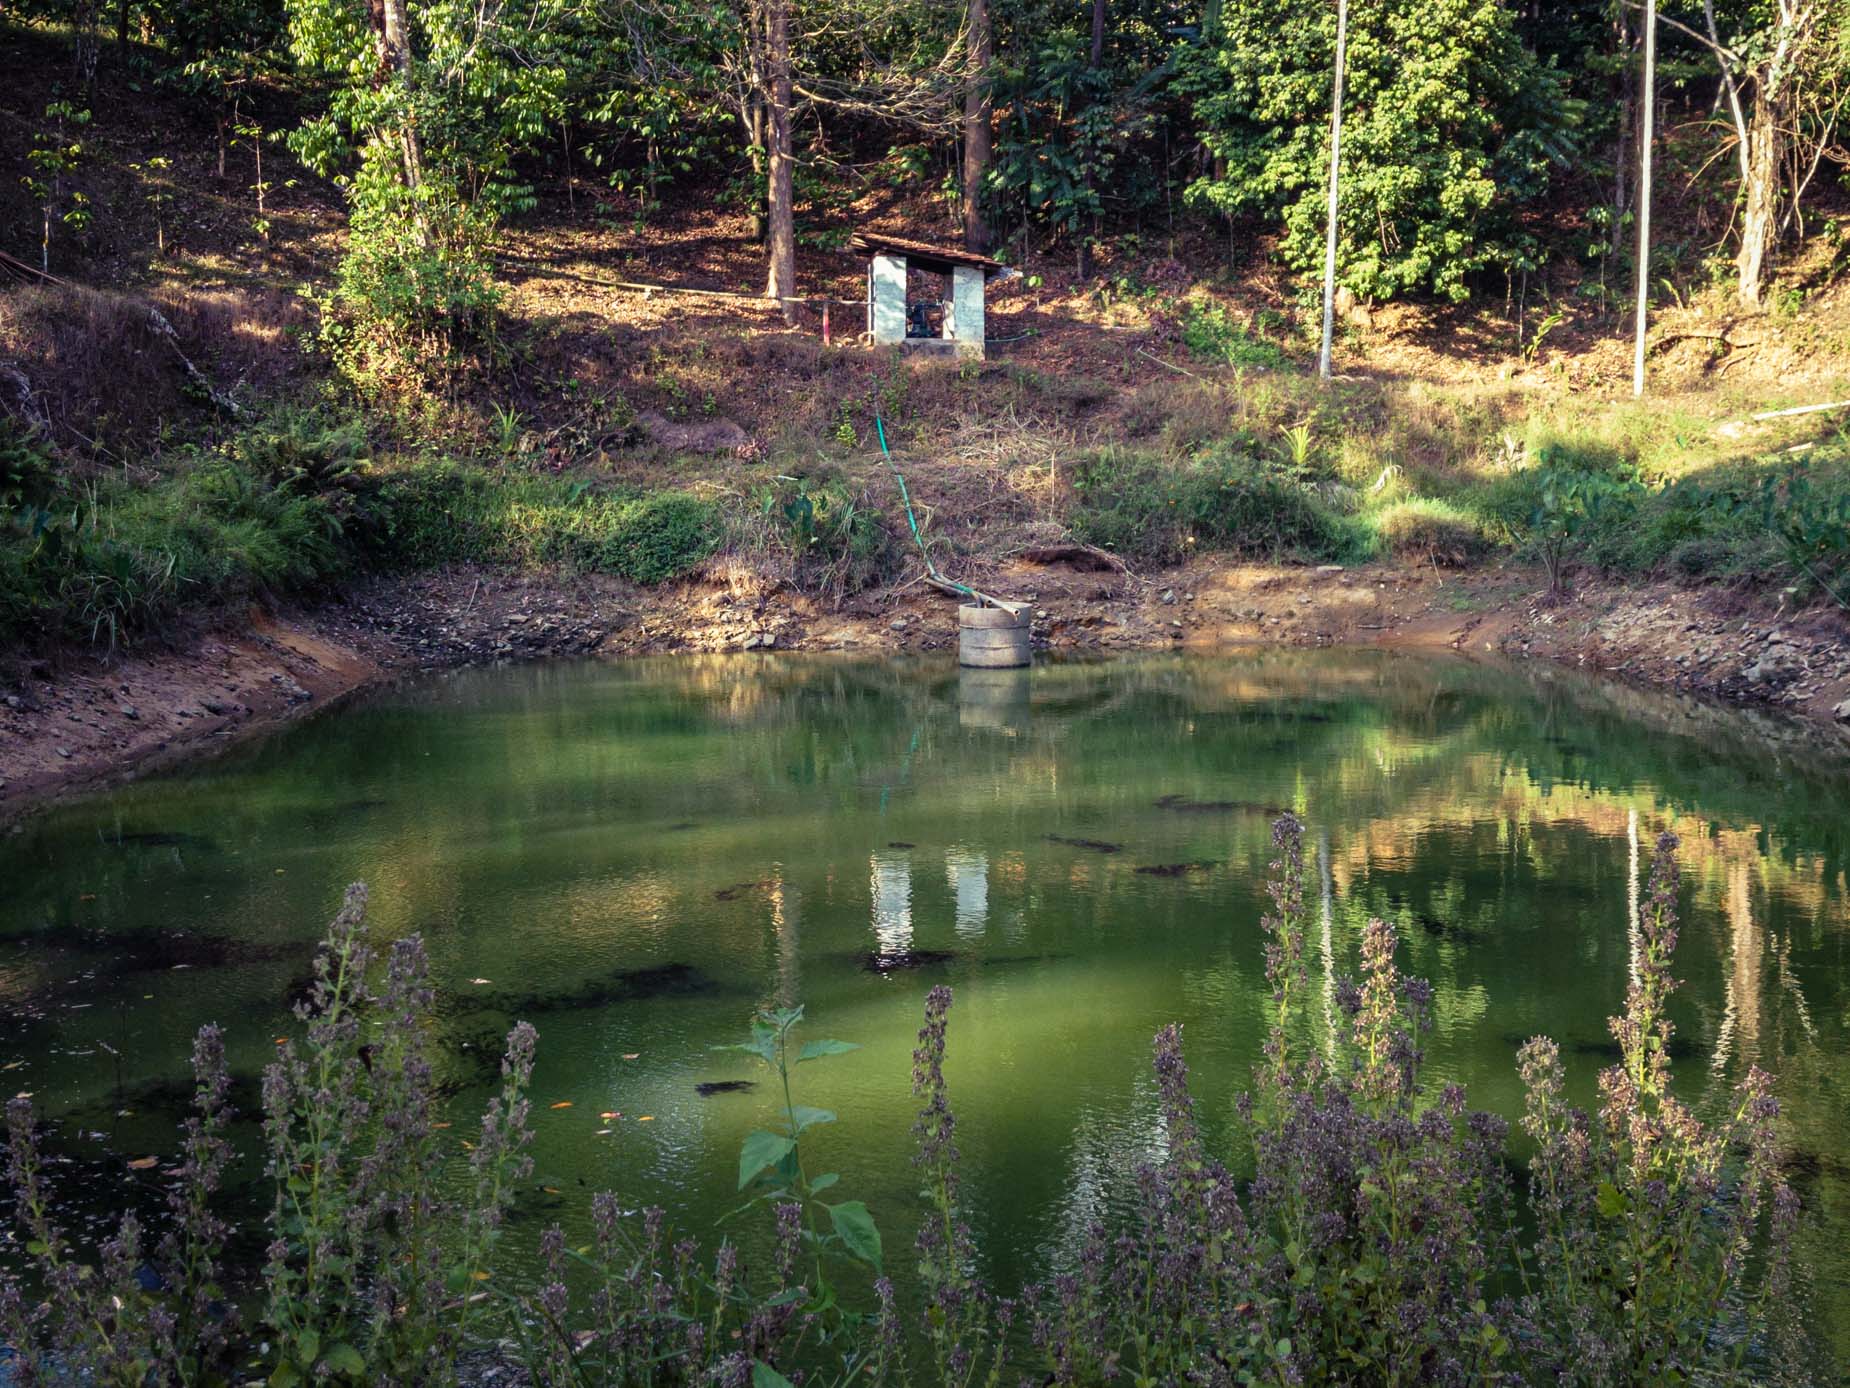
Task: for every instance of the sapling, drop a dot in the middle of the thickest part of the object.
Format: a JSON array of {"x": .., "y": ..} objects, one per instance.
[{"x": 53, "y": 158}]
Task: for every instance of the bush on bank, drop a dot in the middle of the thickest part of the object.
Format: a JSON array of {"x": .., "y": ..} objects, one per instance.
[
  {"x": 286, "y": 508},
  {"x": 1376, "y": 1242}
]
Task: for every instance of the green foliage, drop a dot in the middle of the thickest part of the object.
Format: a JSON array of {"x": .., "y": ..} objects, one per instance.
[
  {"x": 437, "y": 513},
  {"x": 1430, "y": 531},
  {"x": 1449, "y": 126},
  {"x": 1212, "y": 334},
  {"x": 54, "y": 157},
  {"x": 837, "y": 541},
  {"x": 415, "y": 290},
  {"x": 1154, "y": 513},
  {"x": 1808, "y": 512},
  {"x": 107, "y": 561}
]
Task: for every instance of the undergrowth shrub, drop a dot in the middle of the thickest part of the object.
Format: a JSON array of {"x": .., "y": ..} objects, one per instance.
[
  {"x": 835, "y": 539},
  {"x": 1212, "y": 334},
  {"x": 435, "y": 513},
  {"x": 1430, "y": 531},
  {"x": 414, "y": 297},
  {"x": 1151, "y": 512},
  {"x": 106, "y": 560}
]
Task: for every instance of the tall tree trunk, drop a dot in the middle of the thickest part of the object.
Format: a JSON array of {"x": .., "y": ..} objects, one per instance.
[
  {"x": 1336, "y": 150},
  {"x": 392, "y": 42},
  {"x": 755, "y": 134},
  {"x": 1628, "y": 130},
  {"x": 122, "y": 9},
  {"x": 1083, "y": 261},
  {"x": 1647, "y": 111},
  {"x": 977, "y": 116},
  {"x": 780, "y": 249},
  {"x": 1761, "y": 186}
]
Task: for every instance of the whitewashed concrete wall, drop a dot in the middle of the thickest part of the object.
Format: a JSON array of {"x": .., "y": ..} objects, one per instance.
[
  {"x": 888, "y": 293},
  {"x": 964, "y": 323}
]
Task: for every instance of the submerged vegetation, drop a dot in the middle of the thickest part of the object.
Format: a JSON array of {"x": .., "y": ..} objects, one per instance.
[{"x": 1363, "y": 1226}]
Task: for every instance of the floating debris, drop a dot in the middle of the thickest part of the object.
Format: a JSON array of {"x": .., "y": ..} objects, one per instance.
[
  {"x": 1172, "y": 869},
  {"x": 896, "y": 960},
  {"x": 739, "y": 889},
  {"x": 710, "y": 1087},
  {"x": 1181, "y": 804},
  {"x": 1094, "y": 845}
]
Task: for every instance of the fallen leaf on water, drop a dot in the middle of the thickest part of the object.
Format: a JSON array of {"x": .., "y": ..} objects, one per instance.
[
  {"x": 609, "y": 1114},
  {"x": 87, "y": 896},
  {"x": 550, "y": 1190},
  {"x": 12, "y": 1065},
  {"x": 646, "y": 1118},
  {"x": 563, "y": 1103},
  {"x": 144, "y": 1163},
  {"x": 468, "y": 1146},
  {"x": 479, "y": 981},
  {"x": 633, "y": 1055},
  {"x": 601, "y": 1132},
  {"x": 479, "y": 1275},
  {"x": 439, "y": 1125},
  {"x": 281, "y": 871}
]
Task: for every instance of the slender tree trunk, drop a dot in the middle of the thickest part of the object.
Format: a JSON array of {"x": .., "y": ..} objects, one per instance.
[
  {"x": 780, "y": 283},
  {"x": 122, "y": 9},
  {"x": 977, "y": 135},
  {"x": 1083, "y": 261},
  {"x": 1336, "y": 149},
  {"x": 1761, "y": 186},
  {"x": 1628, "y": 130},
  {"x": 1647, "y": 109}
]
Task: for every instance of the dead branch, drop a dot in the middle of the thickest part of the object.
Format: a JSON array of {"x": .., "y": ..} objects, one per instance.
[{"x": 222, "y": 402}]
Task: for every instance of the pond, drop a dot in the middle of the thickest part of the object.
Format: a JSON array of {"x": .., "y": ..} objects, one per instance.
[{"x": 635, "y": 856}]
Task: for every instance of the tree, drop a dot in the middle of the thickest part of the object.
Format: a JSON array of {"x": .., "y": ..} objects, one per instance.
[
  {"x": 978, "y": 115},
  {"x": 1450, "y": 126},
  {"x": 1336, "y": 149},
  {"x": 1647, "y": 105},
  {"x": 780, "y": 247},
  {"x": 1784, "y": 79}
]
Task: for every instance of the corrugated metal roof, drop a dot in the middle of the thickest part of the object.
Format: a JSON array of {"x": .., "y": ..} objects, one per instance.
[{"x": 870, "y": 242}]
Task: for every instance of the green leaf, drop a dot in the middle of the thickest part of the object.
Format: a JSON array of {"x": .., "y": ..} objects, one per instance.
[
  {"x": 759, "y": 1150},
  {"x": 823, "y": 1182},
  {"x": 1282, "y": 1349},
  {"x": 803, "y": 1117},
  {"x": 308, "y": 1345},
  {"x": 856, "y": 1227},
  {"x": 1611, "y": 1200},
  {"x": 764, "y": 1376},
  {"x": 816, "y": 1050},
  {"x": 285, "y": 1375},
  {"x": 344, "y": 1359}
]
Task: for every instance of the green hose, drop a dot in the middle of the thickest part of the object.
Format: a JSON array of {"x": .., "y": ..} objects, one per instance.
[{"x": 913, "y": 521}]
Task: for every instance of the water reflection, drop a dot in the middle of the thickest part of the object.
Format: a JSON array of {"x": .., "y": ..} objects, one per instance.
[{"x": 636, "y": 856}]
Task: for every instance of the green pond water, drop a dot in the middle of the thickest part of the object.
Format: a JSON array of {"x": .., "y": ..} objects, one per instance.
[{"x": 636, "y": 856}]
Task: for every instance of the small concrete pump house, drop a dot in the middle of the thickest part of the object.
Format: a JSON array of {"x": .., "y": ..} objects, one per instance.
[{"x": 952, "y": 323}]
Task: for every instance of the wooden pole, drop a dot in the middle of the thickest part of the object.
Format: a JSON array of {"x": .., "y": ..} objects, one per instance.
[
  {"x": 1647, "y": 119},
  {"x": 1336, "y": 145}
]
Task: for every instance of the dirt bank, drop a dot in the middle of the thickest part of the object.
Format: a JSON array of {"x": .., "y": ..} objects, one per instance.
[{"x": 82, "y": 721}]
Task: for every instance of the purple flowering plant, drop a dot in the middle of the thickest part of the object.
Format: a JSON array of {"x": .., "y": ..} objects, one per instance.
[{"x": 1362, "y": 1228}]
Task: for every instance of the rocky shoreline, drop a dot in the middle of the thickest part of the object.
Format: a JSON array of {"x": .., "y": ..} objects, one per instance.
[{"x": 77, "y": 721}]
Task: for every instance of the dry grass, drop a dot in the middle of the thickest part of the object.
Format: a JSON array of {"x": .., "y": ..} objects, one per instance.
[{"x": 109, "y": 385}]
